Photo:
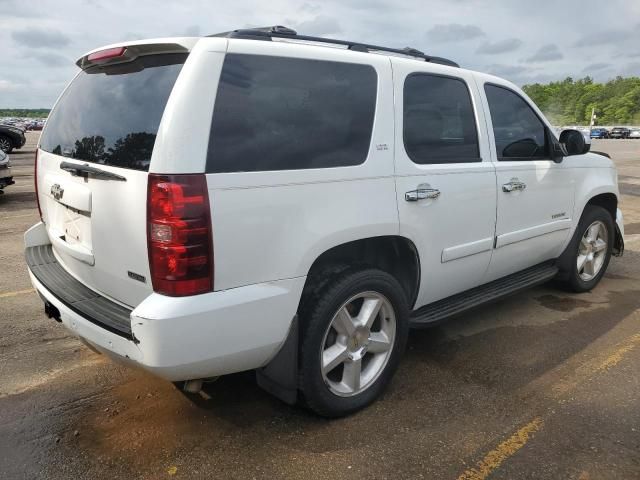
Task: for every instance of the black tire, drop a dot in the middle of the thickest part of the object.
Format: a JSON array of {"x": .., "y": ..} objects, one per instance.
[
  {"x": 569, "y": 277},
  {"x": 6, "y": 145},
  {"x": 315, "y": 324}
]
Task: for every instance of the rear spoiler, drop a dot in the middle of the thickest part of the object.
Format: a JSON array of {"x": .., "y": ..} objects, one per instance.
[{"x": 129, "y": 51}]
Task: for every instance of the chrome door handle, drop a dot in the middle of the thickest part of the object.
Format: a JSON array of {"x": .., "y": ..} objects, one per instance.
[
  {"x": 421, "y": 194},
  {"x": 513, "y": 185}
]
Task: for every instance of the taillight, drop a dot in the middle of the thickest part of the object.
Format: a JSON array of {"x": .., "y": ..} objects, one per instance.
[
  {"x": 35, "y": 181},
  {"x": 179, "y": 234}
]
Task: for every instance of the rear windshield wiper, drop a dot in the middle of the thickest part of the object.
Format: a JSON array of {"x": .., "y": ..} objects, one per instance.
[{"x": 86, "y": 169}]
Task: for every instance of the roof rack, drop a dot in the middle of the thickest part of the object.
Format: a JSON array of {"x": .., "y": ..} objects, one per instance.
[{"x": 278, "y": 31}]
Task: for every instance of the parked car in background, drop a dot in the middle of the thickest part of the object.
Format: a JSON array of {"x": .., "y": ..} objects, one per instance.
[
  {"x": 634, "y": 133},
  {"x": 620, "y": 132},
  {"x": 11, "y": 137},
  {"x": 35, "y": 125},
  {"x": 599, "y": 133},
  {"x": 5, "y": 171}
]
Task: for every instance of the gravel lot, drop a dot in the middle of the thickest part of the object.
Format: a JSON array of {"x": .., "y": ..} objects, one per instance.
[{"x": 541, "y": 385}]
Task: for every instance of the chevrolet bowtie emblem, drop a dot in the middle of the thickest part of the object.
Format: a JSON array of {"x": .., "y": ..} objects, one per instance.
[{"x": 57, "y": 191}]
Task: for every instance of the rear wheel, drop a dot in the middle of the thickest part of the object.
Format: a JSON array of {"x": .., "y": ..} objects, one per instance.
[
  {"x": 5, "y": 144},
  {"x": 586, "y": 258},
  {"x": 353, "y": 338}
]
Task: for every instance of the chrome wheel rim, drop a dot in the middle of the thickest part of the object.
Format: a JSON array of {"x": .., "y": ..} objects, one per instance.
[
  {"x": 4, "y": 145},
  {"x": 358, "y": 344},
  {"x": 592, "y": 251}
]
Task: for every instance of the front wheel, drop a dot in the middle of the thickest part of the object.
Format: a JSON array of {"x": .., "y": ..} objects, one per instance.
[
  {"x": 586, "y": 258},
  {"x": 353, "y": 338}
]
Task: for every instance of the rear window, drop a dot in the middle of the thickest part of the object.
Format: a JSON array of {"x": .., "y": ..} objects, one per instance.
[
  {"x": 276, "y": 113},
  {"x": 110, "y": 114}
]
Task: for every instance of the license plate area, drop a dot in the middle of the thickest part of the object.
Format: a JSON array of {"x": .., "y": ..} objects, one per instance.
[{"x": 69, "y": 212}]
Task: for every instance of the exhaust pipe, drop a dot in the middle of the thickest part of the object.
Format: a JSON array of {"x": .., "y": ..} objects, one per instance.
[
  {"x": 52, "y": 312},
  {"x": 192, "y": 386}
]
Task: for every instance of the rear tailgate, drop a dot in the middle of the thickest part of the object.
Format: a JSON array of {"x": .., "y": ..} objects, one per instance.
[{"x": 93, "y": 160}]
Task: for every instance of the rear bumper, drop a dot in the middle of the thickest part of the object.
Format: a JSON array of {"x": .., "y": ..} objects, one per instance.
[{"x": 182, "y": 338}]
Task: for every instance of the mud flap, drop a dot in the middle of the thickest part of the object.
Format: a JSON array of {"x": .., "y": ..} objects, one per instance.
[
  {"x": 618, "y": 243},
  {"x": 280, "y": 376}
]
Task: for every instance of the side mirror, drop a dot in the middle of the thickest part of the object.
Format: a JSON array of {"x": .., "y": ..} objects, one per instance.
[
  {"x": 574, "y": 142},
  {"x": 558, "y": 150}
]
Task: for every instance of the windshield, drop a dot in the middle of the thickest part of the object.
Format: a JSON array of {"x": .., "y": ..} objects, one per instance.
[{"x": 110, "y": 114}]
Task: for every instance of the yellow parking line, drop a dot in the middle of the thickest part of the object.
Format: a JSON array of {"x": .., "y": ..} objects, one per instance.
[
  {"x": 16, "y": 293},
  {"x": 502, "y": 452},
  {"x": 619, "y": 353},
  {"x": 509, "y": 447}
]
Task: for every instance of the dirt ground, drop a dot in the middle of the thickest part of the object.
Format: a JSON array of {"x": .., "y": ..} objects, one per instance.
[{"x": 541, "y": 385}]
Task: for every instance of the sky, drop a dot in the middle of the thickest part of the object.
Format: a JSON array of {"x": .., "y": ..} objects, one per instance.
[{"x": 525, "y": 41}]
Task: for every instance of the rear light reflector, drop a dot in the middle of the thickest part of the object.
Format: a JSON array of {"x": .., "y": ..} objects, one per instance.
[
  {"x": 106, "y": 54},
  {"x": 179, "y": 234},
  {"x": 35, "y": 181}
]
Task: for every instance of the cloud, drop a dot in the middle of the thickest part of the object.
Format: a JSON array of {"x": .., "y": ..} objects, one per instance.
[
  {"x": 50, "y": 59},
  {"x": 310, "y": 8},
  {"x": 546, "y": 53},
  {"x": 320, "y": 25},
  {"x": 605, "y": 37},
  {"x": 631, "y": 69},
  {"x": 507, "y": 70},
  {"x": 40, "y": 38},
  {"x": 7, "y": 86},
  {"x": 596, "y": 66},
  {"x": 468, "y": 31},
  {"x": 453, "y": 32},
  {"x": 191, "y": 31},
  {"x": 502, "y": 46}
]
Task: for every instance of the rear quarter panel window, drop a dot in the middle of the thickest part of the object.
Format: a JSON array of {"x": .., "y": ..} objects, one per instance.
[
  {"x": 277, "y": 113},
  {"x": 110, "y": 114}
]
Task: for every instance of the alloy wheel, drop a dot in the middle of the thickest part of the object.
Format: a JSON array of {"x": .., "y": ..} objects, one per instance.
[
  {"x": 358, "y": 343},
  {"x": 592, "y": 251},
  {"x": 5, "y": 144}
]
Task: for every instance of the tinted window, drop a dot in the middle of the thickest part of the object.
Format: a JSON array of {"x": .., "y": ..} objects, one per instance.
[
  {"x": 110, "y": 114},
  {"x": 439, "y": 125},
  {"x": 519, "y": 133},
  {"x": 275, "y": 113}
]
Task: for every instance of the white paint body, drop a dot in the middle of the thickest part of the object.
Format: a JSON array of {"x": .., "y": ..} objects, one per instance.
[{"x": 269, "y": 227}]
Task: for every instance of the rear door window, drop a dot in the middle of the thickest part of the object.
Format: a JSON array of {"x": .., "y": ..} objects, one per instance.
[
  {"x": 110, "y": 114},
  {"x": 277, "y": 113},
  {"x": 439, "y": 125}
]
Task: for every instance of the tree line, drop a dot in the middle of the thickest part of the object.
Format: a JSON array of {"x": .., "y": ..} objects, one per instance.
[
  {"x": 569, "y": 102},
  {"x": 24, "y": 112}
]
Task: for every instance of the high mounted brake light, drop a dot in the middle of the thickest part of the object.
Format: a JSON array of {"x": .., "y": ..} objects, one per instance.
[
  {"x": 179, "y": 234},
  {"x": 106, "y": 54}
]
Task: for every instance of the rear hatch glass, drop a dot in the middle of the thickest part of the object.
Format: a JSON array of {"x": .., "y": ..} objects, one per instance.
[
  {"x": 108, "y": 118},
  {"x": 110, "y": 115}
]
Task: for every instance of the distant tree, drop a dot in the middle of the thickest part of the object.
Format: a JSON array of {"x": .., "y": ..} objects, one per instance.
[
  {"x": 570, "y": 101},
  {"x": 90, "y": 148},
  {"x": 132, "y": 151}
]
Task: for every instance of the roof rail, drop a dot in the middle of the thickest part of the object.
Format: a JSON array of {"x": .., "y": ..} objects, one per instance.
[{"x": 278, "y": 31}]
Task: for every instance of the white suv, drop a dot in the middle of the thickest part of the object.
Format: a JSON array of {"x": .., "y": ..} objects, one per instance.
[{"x": 264, "y": 200}]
